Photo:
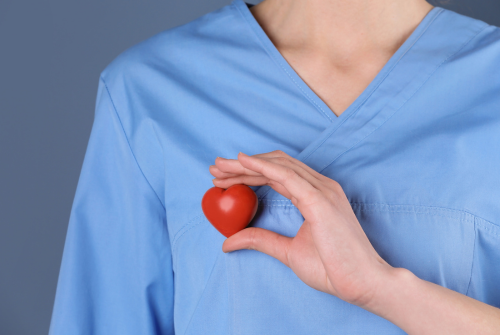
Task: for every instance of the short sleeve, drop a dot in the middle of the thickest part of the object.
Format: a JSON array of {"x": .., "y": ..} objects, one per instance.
[{"x": 116, "y": 273}]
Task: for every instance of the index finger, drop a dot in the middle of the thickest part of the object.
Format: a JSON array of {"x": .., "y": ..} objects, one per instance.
[{"x": 298, "y": 187}]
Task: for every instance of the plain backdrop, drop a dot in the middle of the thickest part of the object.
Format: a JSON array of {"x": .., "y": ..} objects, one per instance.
[{"x": 51, "y": 55}]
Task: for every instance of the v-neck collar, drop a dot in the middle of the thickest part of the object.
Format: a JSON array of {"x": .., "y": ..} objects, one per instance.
[
  {"x": 301, "y": 84},
  {"x": 439, "y": 35}
]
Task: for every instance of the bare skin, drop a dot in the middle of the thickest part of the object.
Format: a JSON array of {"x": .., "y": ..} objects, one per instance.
[
  {"x": 331, "y": 252},
  {"x": 338, "y": 46}
]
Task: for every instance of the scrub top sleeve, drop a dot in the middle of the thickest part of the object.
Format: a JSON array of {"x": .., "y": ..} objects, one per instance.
[{"x": 116, "y": 274}]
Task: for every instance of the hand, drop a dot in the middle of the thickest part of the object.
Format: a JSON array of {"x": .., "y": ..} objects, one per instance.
[{"x": 330, "y": 252}]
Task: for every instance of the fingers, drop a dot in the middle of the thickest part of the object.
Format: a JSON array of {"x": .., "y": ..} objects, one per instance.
[
  {"x": 225, "y": 168},
  {"x": 299, "y": 184},
  {"x": 229, "y": 172},
  {"x": 263, "y": 240},
  {"x": 229, "y": 167},
  {"x": 251, "y": 181}
]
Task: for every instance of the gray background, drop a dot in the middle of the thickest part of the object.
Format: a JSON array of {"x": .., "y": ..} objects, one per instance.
[{"x": 51, "y": 55}]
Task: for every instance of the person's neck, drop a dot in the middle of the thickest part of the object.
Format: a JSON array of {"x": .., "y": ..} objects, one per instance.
[{"x": 344, "y": 31}]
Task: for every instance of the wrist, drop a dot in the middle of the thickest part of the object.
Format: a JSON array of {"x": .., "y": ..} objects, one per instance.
[{"x": 393, "y": 293}]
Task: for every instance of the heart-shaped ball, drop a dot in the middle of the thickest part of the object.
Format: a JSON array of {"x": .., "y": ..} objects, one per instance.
[{"x": 230, "y": 210}]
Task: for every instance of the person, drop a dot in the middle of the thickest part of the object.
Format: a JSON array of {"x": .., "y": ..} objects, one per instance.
[{"x": 369, "y": 131}]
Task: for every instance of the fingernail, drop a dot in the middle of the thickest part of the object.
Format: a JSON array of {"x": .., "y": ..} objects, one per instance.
[{"x": 243, "y": 154}]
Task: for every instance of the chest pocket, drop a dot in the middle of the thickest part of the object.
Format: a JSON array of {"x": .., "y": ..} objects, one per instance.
[{"x": 266, "y": 297}]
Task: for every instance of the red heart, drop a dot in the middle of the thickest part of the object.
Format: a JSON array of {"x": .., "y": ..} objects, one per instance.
[{"x": 230, "y": 210}]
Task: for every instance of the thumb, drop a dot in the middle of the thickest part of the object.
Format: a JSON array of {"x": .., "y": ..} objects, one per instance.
[{"x": 263, "y": 240}]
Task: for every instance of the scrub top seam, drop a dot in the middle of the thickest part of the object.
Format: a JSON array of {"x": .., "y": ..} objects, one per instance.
[
  {"x": 202, "y": 293},
  {"x": 470, "y": 219},
  {"x": 426, "y": 206},
  {"x": 473, "y": 255},
  {"x": 489, "y": 229},
  {"x": 439, "y": 11},
  {"x": 155, "y": 132},
  {"x": 229, "y": 303},
  {"x": 379, "y": 204},
  {"x": 278, "y": 62},
  {"x": 409, "y": 205},
  {"x": 128, "y": 141},
  {"x": 185, "y": 228},
  {"x": 408, "y": 99}
]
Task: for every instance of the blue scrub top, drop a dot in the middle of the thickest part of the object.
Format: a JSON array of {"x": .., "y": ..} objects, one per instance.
[{"x": 417, "y": 153}]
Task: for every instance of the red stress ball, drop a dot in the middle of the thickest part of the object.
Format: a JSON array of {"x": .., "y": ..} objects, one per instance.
[{"x": 230, "y": 210}]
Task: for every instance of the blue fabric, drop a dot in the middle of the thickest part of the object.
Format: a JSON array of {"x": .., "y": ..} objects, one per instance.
[{"x": 417, "y": 154}]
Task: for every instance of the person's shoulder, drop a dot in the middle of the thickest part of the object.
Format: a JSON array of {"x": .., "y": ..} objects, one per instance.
[
  {"x": 175, "y": 47},
  {"x": 483, "y": 36},
  {"x": 489, "y": 37}
]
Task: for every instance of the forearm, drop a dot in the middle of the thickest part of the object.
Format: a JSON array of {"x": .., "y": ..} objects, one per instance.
[{"x": 421, "y": 307}]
